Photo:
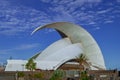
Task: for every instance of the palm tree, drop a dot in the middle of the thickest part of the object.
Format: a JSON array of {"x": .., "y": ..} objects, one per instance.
[{"x": 83, "y": 61}]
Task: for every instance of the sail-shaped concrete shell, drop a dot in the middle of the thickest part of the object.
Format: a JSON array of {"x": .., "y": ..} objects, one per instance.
[
  {"x": 77, "y": 35},
  {"x": 51, "y": 58},
  {"x": 56, "y": 46},
  {"x": 60, "y": 54}
]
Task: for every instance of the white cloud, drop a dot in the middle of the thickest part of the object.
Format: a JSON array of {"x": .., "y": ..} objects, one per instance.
[
  {"x": 92, "y": 23},
  {"x": 20, "y": 19},
  {"x": 118, "y": 0},
  {"x": 19, "y": 48},
  {"x": 104, "y": 11},
  {"x": 17, "y": 19},
  {"x": 97, "y": 28},
  {"x": 48, "y": 30},
  {"x": 27, "y": 46},
  {"x": 83, "y": 15},
  {"x": 71, "y": 1},
  {"x": 4, "y": 3},
  {"x": 108, "y": 21}
]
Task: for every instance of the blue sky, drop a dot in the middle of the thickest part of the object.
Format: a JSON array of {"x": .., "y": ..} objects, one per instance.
[{"x": 18, "y": 18}]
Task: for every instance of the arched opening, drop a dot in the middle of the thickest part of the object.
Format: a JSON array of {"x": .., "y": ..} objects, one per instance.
[{"x": 70, "y": 65}]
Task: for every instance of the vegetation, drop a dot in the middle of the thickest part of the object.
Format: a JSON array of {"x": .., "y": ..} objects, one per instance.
[
  {"x": 84, "y": 76},
  {"x": 31, "y": 65},
  {"x": 57, "y": 75},
  {"x": 82, "y": 60},
  {"x": 39, "y": 75},
  {"x": 20, "y": 74}
]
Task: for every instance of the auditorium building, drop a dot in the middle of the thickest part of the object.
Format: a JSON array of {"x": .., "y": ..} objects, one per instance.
[{"x": 60, "y": 55}]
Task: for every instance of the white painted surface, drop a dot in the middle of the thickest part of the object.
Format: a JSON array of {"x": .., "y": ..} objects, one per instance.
[
  {"x": 56, "y": 46},
  {"x": 61, "y": 51},
  {"x": 16, "y": 65},
  {"x": 79, "y": 35}
]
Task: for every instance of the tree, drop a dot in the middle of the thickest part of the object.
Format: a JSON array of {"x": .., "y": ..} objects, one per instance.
[
  {"x": 31, "y": 65},
  {"x": 82, "y": 60}
]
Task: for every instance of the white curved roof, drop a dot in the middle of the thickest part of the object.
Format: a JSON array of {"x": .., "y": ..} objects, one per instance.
[
  {"x": 61, "y": 49},
  {"x": 56, "y": 46},
  {"x": 59, "y": 56}
]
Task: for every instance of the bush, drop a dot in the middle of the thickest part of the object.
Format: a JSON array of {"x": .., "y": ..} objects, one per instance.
[
  {"x": 84, "y": 76},
  {"x": 39, "y": 75},
  {"x": 57, "y": 75},
  {"x": 21, "y": 74}
]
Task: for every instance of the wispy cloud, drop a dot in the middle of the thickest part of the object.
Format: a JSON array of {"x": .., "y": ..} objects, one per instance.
[
  {"x": 19, "y": 19},
  {"x": 16, "y": 19},
  {"x": 20, "y": 48},
  {"x": 71, "y": 1},
  {"x": 81, "y": 11},
  {"x": 104, "y": 11},
  {"x": 118, "y": 0},
  {"x": 96, "y": 28},
  {"x": 27, "y": 46}
]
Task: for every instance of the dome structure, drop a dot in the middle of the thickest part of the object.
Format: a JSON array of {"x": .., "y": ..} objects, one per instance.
[{"x": 75, "y": 41}]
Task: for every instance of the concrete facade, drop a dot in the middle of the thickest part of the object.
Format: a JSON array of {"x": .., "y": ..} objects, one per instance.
[{"x": 75, "y": 41}]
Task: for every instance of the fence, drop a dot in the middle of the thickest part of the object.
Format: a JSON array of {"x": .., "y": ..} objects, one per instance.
[
  {"x": 7, "y": 76},
  {"x": 37, "y": 75}
]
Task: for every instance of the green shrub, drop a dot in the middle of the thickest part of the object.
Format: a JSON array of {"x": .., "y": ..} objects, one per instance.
[
  {"x": 38, "y": 75},
  {"x": 57, "y": 75},
  {"x": 21, "y": 74},
  {"x": 84, "y": 76}
]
